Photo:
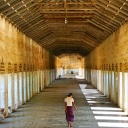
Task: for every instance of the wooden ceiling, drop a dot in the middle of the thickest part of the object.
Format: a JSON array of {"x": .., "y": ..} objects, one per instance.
[{"x": 66, "y": 26}]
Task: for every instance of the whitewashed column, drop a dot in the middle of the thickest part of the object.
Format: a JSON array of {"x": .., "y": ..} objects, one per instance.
[
  {"x": 20, "y": 89},
  {"x": 2, "y": 104},
  {"x": 27, "y": 87},
  {"x": 6, "y": 94},
  {"x": 16, "y": 89},
  {"x": 13, "y": 92},
  {"x": 31, "y": 80},
  {"x": 51, "y": 76},
  {"x": 106, "y": 83},
  {"x": 102, "y": 81},
  {"x": 112, "y": 86},
  {"x": 120, "y": 90},
  {"x": 9, "y": 89},
  {"x": 43, "y": 79},
  {"x": 38, "y": 82},
  {"x": 44, "y": 76},
  {"x": 126, "y": 92},
  {"x": 98, "y": 79},
  {"x": 116, "y": 84},
  {"x": 123, "y": 91}
]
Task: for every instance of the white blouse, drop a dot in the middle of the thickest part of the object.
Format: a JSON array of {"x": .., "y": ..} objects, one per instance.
[{"x": 69, "y": 101}]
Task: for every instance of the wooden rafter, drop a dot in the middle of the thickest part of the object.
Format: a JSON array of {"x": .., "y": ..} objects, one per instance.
[{"x": 82, "y": 24}]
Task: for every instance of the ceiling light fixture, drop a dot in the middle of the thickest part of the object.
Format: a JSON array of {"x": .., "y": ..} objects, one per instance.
[{"x": 65, "y": 20}]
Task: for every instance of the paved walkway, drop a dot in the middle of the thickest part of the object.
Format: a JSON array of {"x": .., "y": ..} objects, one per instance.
[{"x": 46, "y": 110}]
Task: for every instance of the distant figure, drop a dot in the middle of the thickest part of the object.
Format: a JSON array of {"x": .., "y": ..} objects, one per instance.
[
  {"x": 69, "y": 103},
  {"x": 71, "y": 72},
  {"x": 59, "y": 76}
]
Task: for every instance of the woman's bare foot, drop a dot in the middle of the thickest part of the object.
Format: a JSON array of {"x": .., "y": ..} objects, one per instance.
[{"x": 70, "y": 124}]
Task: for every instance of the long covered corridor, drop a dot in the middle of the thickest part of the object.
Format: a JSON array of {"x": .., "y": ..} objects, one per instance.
[
  {"x": 46, "y": 109},
  {"x": 49, "y": 48}
]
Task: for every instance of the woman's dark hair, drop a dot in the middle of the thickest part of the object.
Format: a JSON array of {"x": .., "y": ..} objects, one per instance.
[{"x": 70, "y": 94}]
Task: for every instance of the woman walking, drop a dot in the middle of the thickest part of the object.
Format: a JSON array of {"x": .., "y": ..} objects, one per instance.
[{"x": 69, "y": 104}]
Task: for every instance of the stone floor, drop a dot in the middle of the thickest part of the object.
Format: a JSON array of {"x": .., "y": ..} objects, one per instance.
[{"x": 46, "y": 110}]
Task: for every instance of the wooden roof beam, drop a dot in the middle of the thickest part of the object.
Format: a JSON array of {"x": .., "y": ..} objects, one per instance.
[
  {"x": 65, "y": 2},
  {"x": 113, "y": 9},
  {"x": 100, "y": 26}
]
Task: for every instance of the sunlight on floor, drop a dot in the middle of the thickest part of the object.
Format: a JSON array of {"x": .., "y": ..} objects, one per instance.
[
  {"x": 111, "y": 118},
  {"x": 115, "y": 125},
  {"x": 79, "y": 77},
  {"x": 91, "y": 97},
  {"x": 98, "y": 102},
  {"x": 105, "y": 108},
  {"x": 105, "y": 112},
  {"x": 83, "y": 86},
  {"x": 109, "y": 113}
]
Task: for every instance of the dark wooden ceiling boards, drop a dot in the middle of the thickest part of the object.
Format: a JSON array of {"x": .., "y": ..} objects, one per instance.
[{"x": 66, "y": 26}]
